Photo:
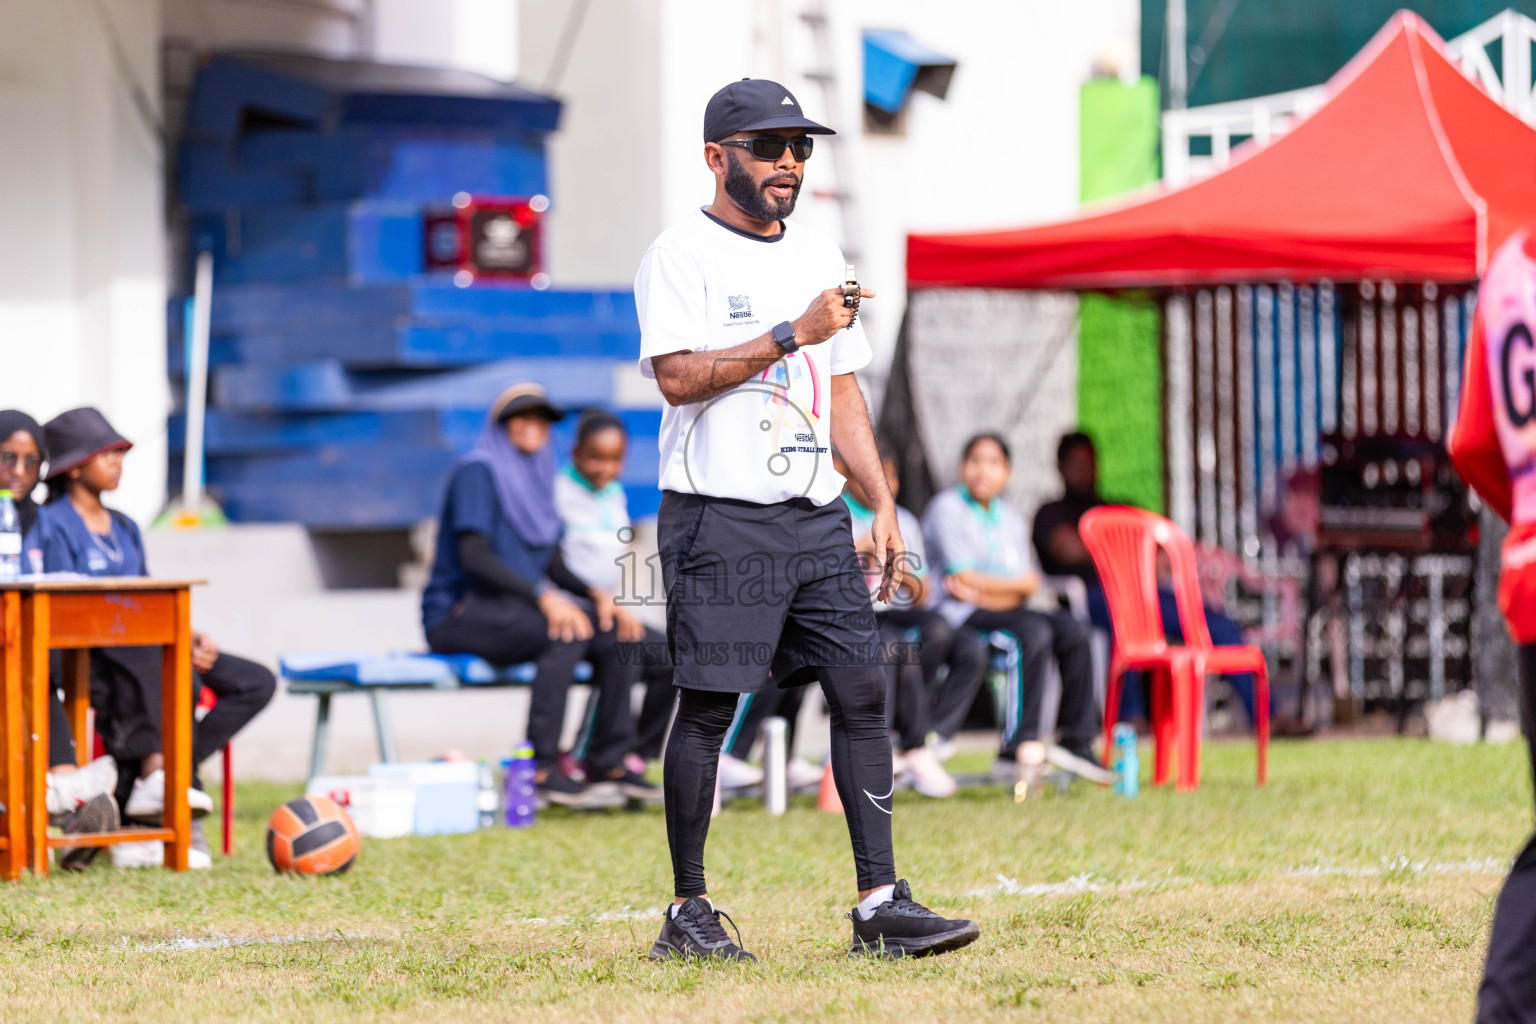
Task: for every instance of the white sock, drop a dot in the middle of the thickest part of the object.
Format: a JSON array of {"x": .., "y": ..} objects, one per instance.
[
  {"x": 870, "y": 903},
  {"x": 678, "y": 906}
]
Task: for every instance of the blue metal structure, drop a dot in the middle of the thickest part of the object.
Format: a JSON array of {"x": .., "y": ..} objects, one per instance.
[{"x": 345, "y": 380}]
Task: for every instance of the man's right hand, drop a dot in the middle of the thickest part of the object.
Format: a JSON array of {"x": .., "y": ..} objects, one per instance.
[
  {"x": 567, "y": 621},
  {"x": 825, "y": 316}
]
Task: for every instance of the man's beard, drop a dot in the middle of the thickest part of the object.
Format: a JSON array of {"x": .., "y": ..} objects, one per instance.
[{"x": 753, "y": 198}]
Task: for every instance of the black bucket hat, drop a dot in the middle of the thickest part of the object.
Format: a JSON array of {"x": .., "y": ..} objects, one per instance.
[{"x": 78, "y": 436}]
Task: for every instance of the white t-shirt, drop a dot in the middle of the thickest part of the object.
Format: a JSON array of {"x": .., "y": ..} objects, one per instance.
[
  {"x": 705, "y": 286},
  {"x": 592, "y": 544}
]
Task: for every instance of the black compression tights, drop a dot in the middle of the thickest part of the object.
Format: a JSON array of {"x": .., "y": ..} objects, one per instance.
[
  {"x": 861, "y": 764},
  {"x": 1508, "y": 991}
]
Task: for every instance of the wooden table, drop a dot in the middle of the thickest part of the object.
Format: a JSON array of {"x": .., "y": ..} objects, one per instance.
[{"x": 77, "y": 615}]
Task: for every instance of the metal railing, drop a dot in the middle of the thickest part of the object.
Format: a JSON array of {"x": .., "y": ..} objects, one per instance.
[{"x": 1267, "y": 117}]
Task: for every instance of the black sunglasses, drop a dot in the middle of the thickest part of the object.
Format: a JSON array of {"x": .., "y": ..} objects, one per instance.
[{"x": 771, "y": 147}]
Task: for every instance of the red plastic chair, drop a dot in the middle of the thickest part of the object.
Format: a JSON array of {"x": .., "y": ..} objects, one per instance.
[
  {"x": 227, "y": 808},
  {"x": 1124, "y": 544}
]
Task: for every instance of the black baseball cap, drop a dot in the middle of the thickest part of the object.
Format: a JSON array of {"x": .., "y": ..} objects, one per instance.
[
  {"x": 752, "y": 105},
  {"x": 524, "y": 398}
]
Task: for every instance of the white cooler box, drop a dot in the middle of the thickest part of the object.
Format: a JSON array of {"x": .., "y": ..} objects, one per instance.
[
  {"x": 381, "y": 808},
  {"x": 447, "y": 793}
]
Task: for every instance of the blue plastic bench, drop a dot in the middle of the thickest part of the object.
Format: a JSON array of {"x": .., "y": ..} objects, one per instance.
[{"x": 326, "y": 674}]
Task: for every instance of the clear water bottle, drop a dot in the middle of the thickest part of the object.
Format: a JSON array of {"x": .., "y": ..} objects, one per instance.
[
  {"x": 487, "y": 800},
  {"x": 1127, "y": 761},
  {"x": 520, "y": 795},
  {"x": 10, "y": 539}
]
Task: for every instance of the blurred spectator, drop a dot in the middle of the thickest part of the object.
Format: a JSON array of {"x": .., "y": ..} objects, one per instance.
[
  {"x": 500, "y": 590},
  {"x": 70, "y": 787},
  {"x": 980, "y": 544},
  {"x": 923, "y": 702},
  {"x": 82, "y": 535},
  {"x": 1062, "y": 553},
  {"x": 597, "y": 533}
]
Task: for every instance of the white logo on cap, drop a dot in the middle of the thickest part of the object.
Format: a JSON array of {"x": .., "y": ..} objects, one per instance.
[{"x": 786, "y": 102}]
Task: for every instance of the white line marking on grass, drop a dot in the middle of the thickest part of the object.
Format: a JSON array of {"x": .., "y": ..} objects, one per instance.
[
  {"x": 606, "y": 917},
  {"x": 185, "y": 943},
  {"x": 1077, "y": 884},
  {"x": 1401, "y": 865}
]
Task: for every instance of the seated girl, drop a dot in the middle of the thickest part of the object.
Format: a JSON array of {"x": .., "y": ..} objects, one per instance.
[
  {"x": 500, "y": 591},
  {"x": 82, "y": 535},
  {"x": 593, "y": 507},
  {"x": 79, "y": 797}
]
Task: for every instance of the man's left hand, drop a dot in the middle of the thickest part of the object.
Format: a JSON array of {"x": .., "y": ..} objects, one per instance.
[
  {"x": 890, "y": 551},
  {"x": 204, "y": 652}
]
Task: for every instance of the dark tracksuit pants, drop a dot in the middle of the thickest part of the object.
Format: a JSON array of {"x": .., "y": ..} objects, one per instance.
[
  {"x": 933, "y": 707},
  {"x": 508, "y": 630},
  {"x": 1508, "y": 992},
  {"x": 940, "y": 644},
  {"x": 660, "y": 695},
  {"x": 654, "y": 665},
  {"x": 908, "y": 712},
  {"x": 125, "y": 691},
  {"x": 1029, "y": 640},
  {"x": 784, "y": 702}
]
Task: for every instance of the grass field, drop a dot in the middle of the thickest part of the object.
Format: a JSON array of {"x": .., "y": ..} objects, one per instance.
[{"x": 1358, "y": 886}]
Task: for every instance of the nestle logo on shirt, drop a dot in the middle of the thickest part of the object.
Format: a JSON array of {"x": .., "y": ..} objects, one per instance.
[
  {"x": 741, "y": 306},
  {"x": 805, "y": 438}
]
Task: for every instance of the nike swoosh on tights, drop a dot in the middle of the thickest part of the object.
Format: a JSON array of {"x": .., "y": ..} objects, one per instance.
[{"x": 876, "y": 799}]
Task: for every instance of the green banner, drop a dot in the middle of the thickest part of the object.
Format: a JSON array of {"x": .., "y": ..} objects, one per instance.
[{"x": 1119, "y": 354}]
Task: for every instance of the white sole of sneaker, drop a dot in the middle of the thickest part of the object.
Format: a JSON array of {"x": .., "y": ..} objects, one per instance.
[{"x": 1081, "y": 767}]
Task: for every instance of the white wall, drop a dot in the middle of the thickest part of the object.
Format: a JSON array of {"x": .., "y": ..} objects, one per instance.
[
  {"x": 475, "y": 35},
  {"x": 605, "y": 161},
  {"x": 82, "y": 266},
  {"x": 999, "y": 151},
  {"x": 333, "y": 28}
]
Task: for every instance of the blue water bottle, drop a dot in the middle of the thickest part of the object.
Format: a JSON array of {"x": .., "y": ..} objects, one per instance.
[
  {"x": 1127, "y": 761},
  {"x": 520, "y": 796}
]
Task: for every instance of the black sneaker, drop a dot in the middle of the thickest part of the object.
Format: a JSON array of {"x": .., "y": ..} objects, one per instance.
[
  {"x": 98, "y": 814},
  {"x": 634, "y": 786},
  {"x": 695, "y": 931},
  {"x": 901, "y": 927},
  {"x": 560, "y": 788}
]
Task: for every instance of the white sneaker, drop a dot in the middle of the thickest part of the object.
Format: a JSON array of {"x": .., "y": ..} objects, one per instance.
[
  {"x": 152, "y": 855},
  {"x": 147, "y": 801},
  {"x": 737, "y": 774},
  {"x": 149, "y": 854},
  {"x": 803, "y": 775},
  {"x": 1078, "y": 765},
  {"x": 943, "y": 750},
  {"x": 927, "y": 776},
  {"x": 67, "y": 791}
]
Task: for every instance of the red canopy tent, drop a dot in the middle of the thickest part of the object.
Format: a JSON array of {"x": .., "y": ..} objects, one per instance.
[{"x": 1408, "y": 171}]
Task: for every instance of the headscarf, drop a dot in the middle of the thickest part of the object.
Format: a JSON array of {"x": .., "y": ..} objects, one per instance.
[
  {"x": 525, "y": 484},
  {"x": 12, "y": 420}
]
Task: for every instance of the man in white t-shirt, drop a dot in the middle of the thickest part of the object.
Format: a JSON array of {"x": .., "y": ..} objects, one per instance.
[{"x": 746, "y": 328}]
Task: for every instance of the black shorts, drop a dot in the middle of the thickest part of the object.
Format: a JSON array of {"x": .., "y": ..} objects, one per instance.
[{"x": 758, "y": 589}]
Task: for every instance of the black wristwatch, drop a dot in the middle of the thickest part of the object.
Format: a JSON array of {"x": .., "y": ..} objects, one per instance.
[{"x": 784, "y": 334}]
